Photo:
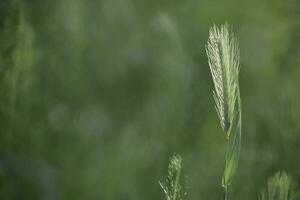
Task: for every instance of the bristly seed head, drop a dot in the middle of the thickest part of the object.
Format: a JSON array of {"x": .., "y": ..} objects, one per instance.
[
  {"x": 224, "y": 59},
  {"x": 278, "y": 187},
  {"x": 172, "y": 187}
]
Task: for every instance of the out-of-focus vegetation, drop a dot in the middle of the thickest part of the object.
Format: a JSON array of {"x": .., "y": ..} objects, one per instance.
[
  {"x": 278, "y": 188},
  {"x": 96, "y": 95},
  {"x": 172, "y": 185}
]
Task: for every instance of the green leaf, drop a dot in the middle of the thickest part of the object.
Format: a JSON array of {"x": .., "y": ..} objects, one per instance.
[{"x": 233, "y": 157}]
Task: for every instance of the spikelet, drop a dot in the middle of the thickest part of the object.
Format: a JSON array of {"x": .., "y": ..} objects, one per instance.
[
  {"x": 223, "y": 57},
  {"x": 172, "y": 187},
  {"x": 278, "y": 187}
]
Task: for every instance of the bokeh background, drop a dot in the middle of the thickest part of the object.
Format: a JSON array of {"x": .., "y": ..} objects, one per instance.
[{"x": 96, "y": 95}]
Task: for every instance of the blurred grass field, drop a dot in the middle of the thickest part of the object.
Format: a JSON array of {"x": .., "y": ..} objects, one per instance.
[{"x": 95, "y": 96}]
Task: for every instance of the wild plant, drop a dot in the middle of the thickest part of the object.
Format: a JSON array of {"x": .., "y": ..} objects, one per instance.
[
  {"x": 224, "y": 61},
  {"x": 171, "y": 186},
  {"x": 279, "y": 187}
]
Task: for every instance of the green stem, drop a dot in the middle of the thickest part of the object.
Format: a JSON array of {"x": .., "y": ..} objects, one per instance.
[{"x": 225, "y": 192}]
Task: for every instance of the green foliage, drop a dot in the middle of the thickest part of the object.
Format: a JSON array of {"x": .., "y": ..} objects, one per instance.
[{"x": 171, "y": 186}]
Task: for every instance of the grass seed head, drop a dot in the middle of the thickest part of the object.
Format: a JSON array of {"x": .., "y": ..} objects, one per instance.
[
  {"x": 278, "y": 187},
  {"x": 224, "y": 59}
]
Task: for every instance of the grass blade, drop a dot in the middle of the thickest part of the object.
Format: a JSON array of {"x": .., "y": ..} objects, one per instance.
[{"x": 232, "y": 158}]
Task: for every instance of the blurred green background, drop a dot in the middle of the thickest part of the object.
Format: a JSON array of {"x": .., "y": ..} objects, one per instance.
[{"x": 96, "y": 95}]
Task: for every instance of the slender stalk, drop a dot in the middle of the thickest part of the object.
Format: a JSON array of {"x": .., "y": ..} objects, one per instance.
[
  {"x": 225, "y": 192},
  {"x": 225, "y": 186}
]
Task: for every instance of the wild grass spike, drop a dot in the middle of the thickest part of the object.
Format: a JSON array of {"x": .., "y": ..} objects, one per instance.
[
  {"x": 224, "y": 61},
  {"x": 278, "y": 187},
  {"x": 224, "y": 58},
  {"x": 172, "y": 187}
]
